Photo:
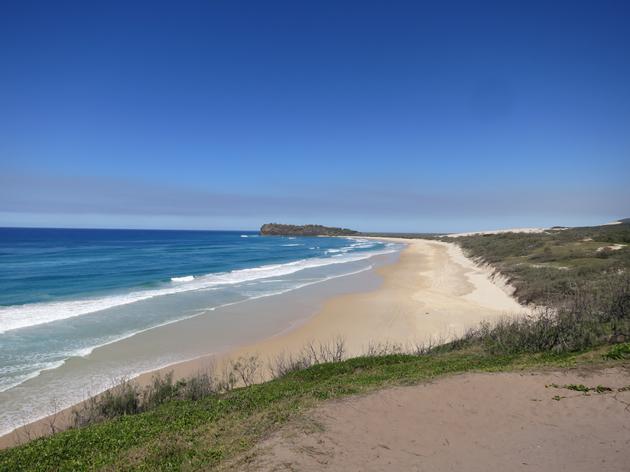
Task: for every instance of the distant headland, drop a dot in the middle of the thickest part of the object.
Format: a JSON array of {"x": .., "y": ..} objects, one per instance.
[{"x": 276, "y": 229}]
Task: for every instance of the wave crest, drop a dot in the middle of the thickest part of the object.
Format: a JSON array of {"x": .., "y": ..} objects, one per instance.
[{"x": 186, "y": 278}]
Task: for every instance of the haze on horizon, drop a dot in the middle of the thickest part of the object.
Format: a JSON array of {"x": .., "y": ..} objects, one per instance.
[{"x": 382, "y": 116}]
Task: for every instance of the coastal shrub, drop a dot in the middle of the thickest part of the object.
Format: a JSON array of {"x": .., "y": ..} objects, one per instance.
[
  {"x": 127, "y": 398},
  {"x": 384, "y": 349},
  {"x": 546, "y": 267},
  {"x": 584, "y": 389},
  {"x": 122, "y": 399},
  {"x": 311, "y": 354},
  {"x": 283, "y": 364},
  {"x": 197, "y": 387},
  {"x": 619, "y": 351},
  {"x": 160, "y": 390},
  {"x": 246, "y": 370},
  {"x": 387, "y": 348},
  {"x": 584, "y": 319},
  {"x": 332, "y": 351},
  {"x": 585, "y": 289}
]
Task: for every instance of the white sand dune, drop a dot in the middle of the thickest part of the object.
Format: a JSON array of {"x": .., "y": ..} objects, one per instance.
[{"x": 498, "y": 231}]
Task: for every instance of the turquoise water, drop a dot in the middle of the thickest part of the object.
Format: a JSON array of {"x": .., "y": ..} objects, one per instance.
[{"x": 65, "y": 292}]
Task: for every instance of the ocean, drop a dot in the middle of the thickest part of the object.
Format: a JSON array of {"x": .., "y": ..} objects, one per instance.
[{"x": 66, "y": 292}]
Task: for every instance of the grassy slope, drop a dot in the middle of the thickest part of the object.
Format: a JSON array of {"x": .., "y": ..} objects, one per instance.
[{"x": 204, "y": 434}]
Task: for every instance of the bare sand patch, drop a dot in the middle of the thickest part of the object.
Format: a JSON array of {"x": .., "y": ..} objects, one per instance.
[
  {"x": 612, "y": 247},
  {"x": 473, "y": 422}
]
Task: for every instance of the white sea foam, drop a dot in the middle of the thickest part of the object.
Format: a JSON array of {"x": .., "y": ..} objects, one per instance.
[
  {"x": 288, "y": 245},
  {"x": 186, "y": 278},
  {"x": 39, "y": 368},
  {"x": 33, "y": 314}
]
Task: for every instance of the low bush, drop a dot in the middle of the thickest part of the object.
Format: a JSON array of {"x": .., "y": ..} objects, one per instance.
[{"x": 620, "y": 351}]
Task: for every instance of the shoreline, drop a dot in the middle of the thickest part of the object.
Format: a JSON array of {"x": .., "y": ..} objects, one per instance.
[
  {"x": 239, "y": 325},
  {"x": 431, "y": 293}
]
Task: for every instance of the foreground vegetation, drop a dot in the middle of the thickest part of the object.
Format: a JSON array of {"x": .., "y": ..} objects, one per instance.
[
  {"x": 205, "y": 422},
  {"x": 214, "y": 431}
]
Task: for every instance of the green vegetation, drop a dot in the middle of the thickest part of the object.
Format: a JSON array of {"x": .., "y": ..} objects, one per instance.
[
  {"x": 579, "y": 275},
  {"x": 547, "y": 268},
  {"x": 620, "y": 351},
  {"x": 205, "y": 423},
  {"x": 583, "y": 320},
  {"x": 600, "y": 389},
  {"x": 575, "y": 274},
  {"x": 276, "y": 229}
]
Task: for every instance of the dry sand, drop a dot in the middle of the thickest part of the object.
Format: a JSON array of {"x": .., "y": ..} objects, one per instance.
[
  {"x": 471, "y": 422},
  {"x": 432, "y": 293}
]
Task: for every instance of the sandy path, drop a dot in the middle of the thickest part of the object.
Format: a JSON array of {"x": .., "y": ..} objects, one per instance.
[{"x": 472, "y": 422}]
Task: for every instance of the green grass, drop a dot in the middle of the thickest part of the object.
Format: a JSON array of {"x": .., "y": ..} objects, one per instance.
[
  {"x": 206, "y": 434},
  {"x": 620, "y": 351}
]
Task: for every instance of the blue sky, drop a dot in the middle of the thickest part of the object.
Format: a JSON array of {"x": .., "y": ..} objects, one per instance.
[{"x": 397, "y": 116}]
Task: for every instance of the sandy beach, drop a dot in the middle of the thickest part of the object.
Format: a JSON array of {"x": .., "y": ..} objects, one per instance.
[{"x": 431, "y": 293}]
